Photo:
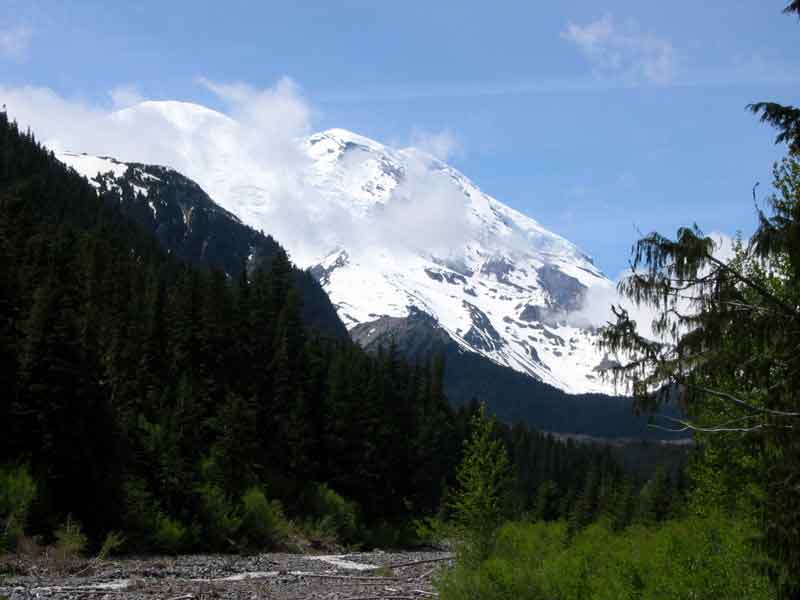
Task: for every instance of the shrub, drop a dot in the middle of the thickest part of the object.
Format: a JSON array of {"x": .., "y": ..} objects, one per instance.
[
  {"x": 17, "y": 492},
  {"x": 334, "y": 517},
  {"x": 170, "y": 535},
  {"x": 220, "y": 518},
  {"x": 141, "y": 514},
  {"x": 433, "y": 531},
  {"x": 263, "y": 524},
  {"x": 698, "y": 558},
  {"x": 390, "y": 534},
  {"x": 70, "y": 540}
]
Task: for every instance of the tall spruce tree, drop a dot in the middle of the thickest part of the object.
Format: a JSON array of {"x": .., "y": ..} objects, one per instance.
[{"x": 726, "y": 344}]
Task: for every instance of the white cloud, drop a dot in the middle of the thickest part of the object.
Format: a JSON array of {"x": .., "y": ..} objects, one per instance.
[
  {"x": 250, "y": 161},
  {"x": 440, "y": 144},
  {"x": 426, "y": 212},
  {"x": 280, "y": 110},
  {"x": 254, "y": 158},
  {"x": 596, "y": 310},
  {"x": 14, "y": 42},
  {"x": 124, "y": 96},
  {"x": 625, "y": 53}
]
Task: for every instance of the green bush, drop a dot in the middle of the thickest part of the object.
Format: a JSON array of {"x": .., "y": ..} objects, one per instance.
[
  {"x": 141, "y": 515},
  {"x": 17, "y": 492},
  {"x": 70, "y": 540},
  {"x": 171, "y": 535},
  {"x": 220, "y": 518},
  {"x": 434, "y": 530},
  {"x": 334, "y": 517},
  {"x": 390, "y": 534},
  {"x": 263, "y": 524},
  {"x": 693, "y": 558}
]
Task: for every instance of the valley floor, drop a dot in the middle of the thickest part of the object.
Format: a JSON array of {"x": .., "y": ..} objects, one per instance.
[{"x": 362, "y": 576}]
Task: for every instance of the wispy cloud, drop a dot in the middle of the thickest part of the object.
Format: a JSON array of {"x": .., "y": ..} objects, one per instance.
[
  {"x": 664, "y": 71},
  {"x": 441, "y": 144},
  {"x": 124, "y": 96},
  {"x": 253, "y": 160},
  {"x": 626, "y": 52},
  {"x": 596, "y": 310},
  {"x": 14, "y": 42}
]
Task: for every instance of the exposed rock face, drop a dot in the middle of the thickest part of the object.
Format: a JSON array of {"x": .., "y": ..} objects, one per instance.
[
  {"x": 566, "y": 293},
  {"x": 481, "y": 334}
]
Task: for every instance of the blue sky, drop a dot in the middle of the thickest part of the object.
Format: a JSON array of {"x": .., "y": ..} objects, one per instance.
[{"x": 596, "y": 118}]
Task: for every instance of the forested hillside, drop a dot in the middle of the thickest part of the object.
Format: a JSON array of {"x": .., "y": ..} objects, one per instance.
[
  {"x": 176, "y": 404},
  {"x": 195, "y": 230}
]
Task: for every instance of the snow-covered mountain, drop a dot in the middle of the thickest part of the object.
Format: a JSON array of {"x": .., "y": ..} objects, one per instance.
[
  {"x": 500, "y": 285},
  {"x": 392, "y": 232}
]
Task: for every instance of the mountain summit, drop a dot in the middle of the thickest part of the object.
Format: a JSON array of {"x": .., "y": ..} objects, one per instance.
[{"x": 430, "y": 241}]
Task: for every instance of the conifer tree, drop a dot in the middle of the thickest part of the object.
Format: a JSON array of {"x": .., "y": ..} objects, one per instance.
[{"x": 484, "y": 476}]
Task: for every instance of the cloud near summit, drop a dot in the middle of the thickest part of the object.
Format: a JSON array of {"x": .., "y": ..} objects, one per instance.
[{"x": 249, "y": 159}]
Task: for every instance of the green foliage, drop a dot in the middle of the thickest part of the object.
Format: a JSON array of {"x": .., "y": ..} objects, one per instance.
[
  {"x": 481, "y": 502},
  {"x": 434, "y": 530},
  {"x": 170, "y": 535},
  {"x": 693, "y": 558},
  {"x": 263, "y": 524},
  {"x": 387, "y": 534},
  {"x": 727, "y": 351},
  {"x": 219, "y": 517},
  {"x": 17, "y": 492},
  {"x": 334, "y": 517},
  {"x": 70, "y": 540},
  {"x": 141, "y": 514}
]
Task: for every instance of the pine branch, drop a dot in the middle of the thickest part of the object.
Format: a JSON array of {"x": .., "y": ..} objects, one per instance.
[
  {"x": 784, "y": 118},
  {"x": 789, "y": 310}
]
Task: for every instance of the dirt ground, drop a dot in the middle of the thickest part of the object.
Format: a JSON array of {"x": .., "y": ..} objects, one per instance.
[{"x": 360, "y": 576}]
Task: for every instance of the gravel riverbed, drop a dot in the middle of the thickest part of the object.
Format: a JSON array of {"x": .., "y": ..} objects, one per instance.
[{"x": 358, "y": 576}]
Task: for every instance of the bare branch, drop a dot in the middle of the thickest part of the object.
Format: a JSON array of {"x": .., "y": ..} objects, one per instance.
[
  {"x": 689, "y": 426},
  {"x": 738, "y": 401}
]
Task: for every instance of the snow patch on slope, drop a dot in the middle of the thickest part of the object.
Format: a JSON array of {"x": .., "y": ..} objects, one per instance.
[{"x": 89, "y": 166}]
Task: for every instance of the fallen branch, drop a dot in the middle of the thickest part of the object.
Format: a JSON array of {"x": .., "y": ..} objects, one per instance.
[
  {"x": 346, "y": 577},
  {"x": 421, "y": 562},
  {"x": 381, "y": 598}
]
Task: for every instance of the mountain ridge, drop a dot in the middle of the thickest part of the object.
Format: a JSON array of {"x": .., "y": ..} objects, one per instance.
[{"x": 193, "y": 228}]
